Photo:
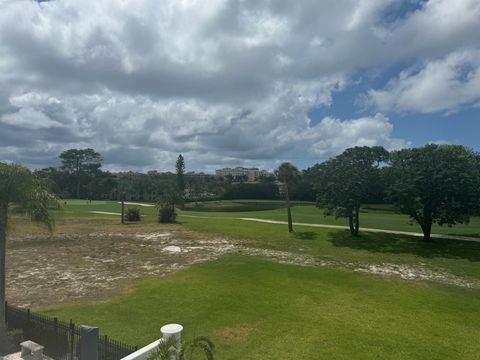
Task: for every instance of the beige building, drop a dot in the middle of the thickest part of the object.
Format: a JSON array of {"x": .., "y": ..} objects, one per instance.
[{"x": 251, "y": 174}]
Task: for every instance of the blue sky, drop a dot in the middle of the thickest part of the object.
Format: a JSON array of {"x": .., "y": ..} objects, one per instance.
[
  {"x": 237, "y": 83},
  {"x": 461, "y": 126}
]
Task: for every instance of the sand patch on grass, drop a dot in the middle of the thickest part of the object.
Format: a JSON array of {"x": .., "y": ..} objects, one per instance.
[{"x": 72, "y": 266}]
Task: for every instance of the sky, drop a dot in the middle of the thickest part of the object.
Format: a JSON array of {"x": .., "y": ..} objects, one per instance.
[{"x": 234, "y": 83}]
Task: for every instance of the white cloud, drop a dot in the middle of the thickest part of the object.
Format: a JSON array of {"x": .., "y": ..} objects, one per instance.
[
  {"x": 231, "y": 82},
  {"x": 332, "y": 136},
  {"x": 440, "y": 85}
]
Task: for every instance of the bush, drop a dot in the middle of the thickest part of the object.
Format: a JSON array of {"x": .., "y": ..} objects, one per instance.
[
  {"x": 167, "y": 213},
  {"x": 132, "y": 214}
]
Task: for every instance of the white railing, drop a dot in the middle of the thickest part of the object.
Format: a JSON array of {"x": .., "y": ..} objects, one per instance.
[{"x": 167, "y": 331}]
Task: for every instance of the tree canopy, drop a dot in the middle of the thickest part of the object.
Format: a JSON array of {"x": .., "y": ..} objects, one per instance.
[
  {"x": 81, "y": 163},
  {"x": 435, "y": 184},
  {"x": 180, "y": 168},
  {"x": 346, "y": 181}
]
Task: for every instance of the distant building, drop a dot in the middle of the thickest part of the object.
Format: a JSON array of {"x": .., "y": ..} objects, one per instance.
[{"x": 250, "y": 174}]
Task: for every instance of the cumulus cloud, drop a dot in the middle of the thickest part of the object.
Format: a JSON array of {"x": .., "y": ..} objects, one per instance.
[
  {"x": 440, "y": 85},
  {"x": 228, "y": 83},
  {"x": 332, "y": 136}
]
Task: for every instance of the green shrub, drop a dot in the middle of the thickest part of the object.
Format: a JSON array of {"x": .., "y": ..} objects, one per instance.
[
  {"x": 132, "y": 214},
  {"x": 167, "y": 213}
]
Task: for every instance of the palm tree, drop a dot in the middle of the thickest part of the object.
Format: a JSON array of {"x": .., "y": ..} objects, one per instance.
[
  {"x": 288, "y": 174},
  {"x": 168, "y": 349},
  {"x": 18, "y": 185}
]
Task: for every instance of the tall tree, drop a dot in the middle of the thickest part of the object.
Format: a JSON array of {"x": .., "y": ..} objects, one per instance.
[
  {"x": 346, "y": 181},
  {"x": 435, "y": 184},
  {"x": 18, "y": 185},
  {"x": 180, "y": 167},
  {"x": 288, "y": 174},
  {"x": 80, "y": 162}
]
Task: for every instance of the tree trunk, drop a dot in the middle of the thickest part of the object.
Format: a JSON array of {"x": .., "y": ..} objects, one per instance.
[
  {"x": 78, "y": 184},
  {"x": 3, "y": 244},
  {"x": 357, "y": 220},
  {"x": 427, "y": 231},
  {"x": 350, "y": 223},
  {"x": 289, "y": 213},
  {"x": 123, "y": 209}
]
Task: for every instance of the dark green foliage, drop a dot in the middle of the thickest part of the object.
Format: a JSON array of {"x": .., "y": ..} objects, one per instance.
[
  {"x": 82, "y": 164},
  {"x": 166, "y": 204},
  {"x": 167, "y": 213},
  {"x": 167, "y": 349},
  {"x": 347, "y": 181},
  {"x": 200, "y": 343},
  {"x": 259, "y": 191},
  {"x": 180, "y": 167},
  {"x": 435, "y": 184},
  {"x": 132, "y": 214}
]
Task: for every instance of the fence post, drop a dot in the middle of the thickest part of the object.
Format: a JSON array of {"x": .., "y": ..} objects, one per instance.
[
  {"x": 72, "y": 339},
  {"x": 174, "y": 330},
  {"x": 105, "y": 345},
  {"x": 89, "y": 343}
]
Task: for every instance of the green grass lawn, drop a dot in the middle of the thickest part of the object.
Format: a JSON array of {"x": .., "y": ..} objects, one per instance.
[
  {"x": 369, "y": 218},
  {"x": 255, "y": 309},
  {"x": 457, "y": 257},
  {"x": 380, "y": 217}
]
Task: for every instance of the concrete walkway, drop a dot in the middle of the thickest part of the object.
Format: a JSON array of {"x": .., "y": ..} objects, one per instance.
[{"x": 435, "y": 236}]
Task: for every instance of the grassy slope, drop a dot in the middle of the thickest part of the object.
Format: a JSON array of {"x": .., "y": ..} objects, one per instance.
[{"x": 255, "y": 309}]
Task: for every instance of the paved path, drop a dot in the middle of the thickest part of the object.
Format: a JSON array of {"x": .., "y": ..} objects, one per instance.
[{"x": 436, "y": 236}]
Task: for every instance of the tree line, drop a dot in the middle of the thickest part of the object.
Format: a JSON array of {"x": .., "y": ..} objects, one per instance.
[{"x": 433, "y": 184}]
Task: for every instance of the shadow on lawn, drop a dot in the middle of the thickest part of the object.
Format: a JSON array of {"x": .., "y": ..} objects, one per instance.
[
  {"x": 305, "y": 235},
  {"x": 400, "y": 244}
]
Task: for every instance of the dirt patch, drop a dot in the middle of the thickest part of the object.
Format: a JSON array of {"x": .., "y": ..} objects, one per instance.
[
  {"x": 403, "y": 271},
  {"x": 234, "y": 334},
  {"x": 44, "y": 270},
  {"x": 77, "y": 264}
]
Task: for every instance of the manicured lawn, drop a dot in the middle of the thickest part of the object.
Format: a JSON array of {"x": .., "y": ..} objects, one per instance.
[
  {"x": 253, "y": 308},
  {"x": 256, "y": 309},
  {"x": 381, "y": 217},
  {"x": 369, "y": 218},
  {"x": 457, "y": 257}
]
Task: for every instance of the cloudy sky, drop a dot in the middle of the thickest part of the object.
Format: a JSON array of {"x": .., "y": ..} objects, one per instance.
[{"x": 241, "y": 82}]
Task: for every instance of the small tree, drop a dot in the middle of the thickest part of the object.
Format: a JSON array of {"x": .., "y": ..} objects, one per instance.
[
  {"x": 133, "y": 214},
  {"x": 435, "y": 184},
  {"x": 345, "y": 182},
  {"x": 288, "y": 174},
  {"x": 166, "y": 204}
]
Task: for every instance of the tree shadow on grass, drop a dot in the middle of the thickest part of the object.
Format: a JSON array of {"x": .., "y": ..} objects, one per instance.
[
  {"x": 305, "y": 235},
  {"x": 401, "y": 244}
]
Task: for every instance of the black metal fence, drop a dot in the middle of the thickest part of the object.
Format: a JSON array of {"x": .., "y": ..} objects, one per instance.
[{"x": 61, "y": 340}]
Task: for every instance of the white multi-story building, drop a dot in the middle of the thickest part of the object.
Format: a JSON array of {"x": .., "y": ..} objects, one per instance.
[{"x": 251, "y": 174}]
